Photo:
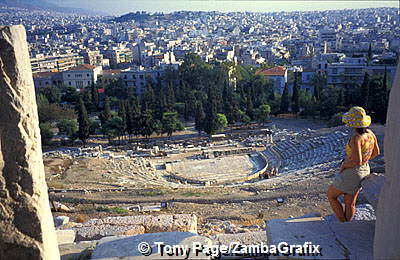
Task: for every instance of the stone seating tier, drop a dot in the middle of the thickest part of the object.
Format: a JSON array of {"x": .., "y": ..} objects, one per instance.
[{"x": 297, "y": 154}]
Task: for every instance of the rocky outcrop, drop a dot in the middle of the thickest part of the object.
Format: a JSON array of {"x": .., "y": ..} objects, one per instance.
[
  {"x": 387, "y": 227},
  {"x": 26, "y": 225},
  {"x": 133, "y": 225},
  {"x": 371, "y": 188}
]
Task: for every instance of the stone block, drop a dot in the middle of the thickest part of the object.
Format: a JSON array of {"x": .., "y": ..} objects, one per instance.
[
  {"x": 133, "y": 231},
  {"x": 126, "y": 247},
  {"x": 248, "y": 238},
  {"x": 161, "y": 223},
  {"x": 185, "y": 223},
  {"x": 81, "y": 250},
  {"x": 356, "y": 237},
  {"x": 61, "y": 220},
  {"x": 297, "y": 231},
  {"x": 66, "y": 236}
]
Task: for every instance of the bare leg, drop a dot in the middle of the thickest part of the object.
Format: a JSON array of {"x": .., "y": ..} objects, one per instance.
[
  {"x": 350, "y": 205},
  {"x": 336, "y": 206}
]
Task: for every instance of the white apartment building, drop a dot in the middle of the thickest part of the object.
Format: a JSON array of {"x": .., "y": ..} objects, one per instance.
[
  {"x": 136, "y": 78},
  {"x": 327, "y": 38},
  {"x": 352, "y": 70},
  {"x": 347, "y": 71},
  {"x": 81, "y": 76}
]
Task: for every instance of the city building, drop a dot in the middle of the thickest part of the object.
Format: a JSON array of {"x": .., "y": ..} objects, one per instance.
[
  {"x": 277, "y": 74},
  {"x": 81, "y": 76},
  {"x": 56, "y": 63},
  {"x": 138, "y": 77},
  {"x": 347, "y": 71},
  {"x": 44, "y": 79}
]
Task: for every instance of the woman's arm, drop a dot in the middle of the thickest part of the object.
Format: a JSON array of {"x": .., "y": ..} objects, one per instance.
[{"x": 355, "y": 159}]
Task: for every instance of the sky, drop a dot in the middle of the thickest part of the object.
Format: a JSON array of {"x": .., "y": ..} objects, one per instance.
[{"x": 118, "y": 7}]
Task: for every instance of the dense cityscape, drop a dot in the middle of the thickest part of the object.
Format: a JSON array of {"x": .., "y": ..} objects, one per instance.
[{"x": 339, "y": 49}]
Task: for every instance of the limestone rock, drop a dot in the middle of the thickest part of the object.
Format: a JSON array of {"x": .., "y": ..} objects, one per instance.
[
  {"x": 81, "y": 250},
  {"x": 59, "y": 207},
  {"x": 26, "y": 225},
  {"x": 135, "y": 230},
  {"x": 66, "y": 236},
  {"x": 185, "y": 223},
  {"x": 249, "y": 238},
  {"x": 364, "y": 212},
  {"x": 356, "y": 238},
  {"x": 371, "y": 187},
  {"x": 61, "y": 220},
  {"x": 299, "y": 230},
  {"x": 133, "y": 225},
  {"x": 124, "y": 247},
  {"x": 387, "y": 226}
]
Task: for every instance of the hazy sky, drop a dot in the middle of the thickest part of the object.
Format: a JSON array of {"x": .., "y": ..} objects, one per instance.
[{"x": 118, "y": 7}]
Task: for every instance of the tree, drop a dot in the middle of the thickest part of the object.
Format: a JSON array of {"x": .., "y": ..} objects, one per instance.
[
  {"x": 263, "y": 113},
  {"x": 369, "y": 56},
  {"x": 160, "y": 106},
  {"x": 105, "y": 116},
  {"x": 116, "y": 89},
  {"x": 169, "y": 98},
  {"x": 46, "y": 133},
  {"x": 69, "y": 95},
  {"x": 148, "y": 99},
  {"x": 147, "y": 126},
  {"x": 285, "y": 99},
  {"x": 199, "y": 116},
  {"x": 113, "y": 128},
  {"x": 122, "y": 114},
  {"x": 249, "y": 107},
  {"x": 319, "y": 82},
  {"x": 170, "y": 123},
  {"x": 244, "y": 118},
  {"x": 365, "y": 91},
  {"x": 87, "y": 99},
  {"x": 49, "y": 112},
  {"x": 52, "y": 93},
  {"x": 44, "y": 109},
  {"x": 129, "y": 119},
  {"x": 136, "y": 115},
  {"x": 311, "y": 108},
  {"x": 378, "y": 99},
  {"x": 341, "y": 101},
  {"x": 385, "y": 86},
  {"x": 95, "y": 96},
  {"x": 329, "y": 98},
  {"x": 209, "y": 125},
  {"x": 295, "y": 97},
  {"x": 94, "y": 126},
  {"x": 83, "y": 121},
  {"x": 68, "y": 127},
  {"x": 221, "y": 122}
]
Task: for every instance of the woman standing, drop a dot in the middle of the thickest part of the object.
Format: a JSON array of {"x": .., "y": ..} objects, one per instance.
[{"x": 361, "y": 148}]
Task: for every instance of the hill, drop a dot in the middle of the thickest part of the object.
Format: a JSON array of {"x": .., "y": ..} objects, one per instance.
[{"x": 45, "y": 5}]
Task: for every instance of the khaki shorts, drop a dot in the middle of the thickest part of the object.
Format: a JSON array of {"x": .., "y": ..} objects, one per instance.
[{"x": 349, "y": 180}]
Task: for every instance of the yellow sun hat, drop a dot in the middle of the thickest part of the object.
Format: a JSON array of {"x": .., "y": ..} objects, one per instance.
[{"x": 356, "y": 118}]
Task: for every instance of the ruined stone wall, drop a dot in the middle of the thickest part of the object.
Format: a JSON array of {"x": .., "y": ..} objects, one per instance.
[
  {"x": 387, "y": 229},
  {"x": 26, "y": 224}
]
